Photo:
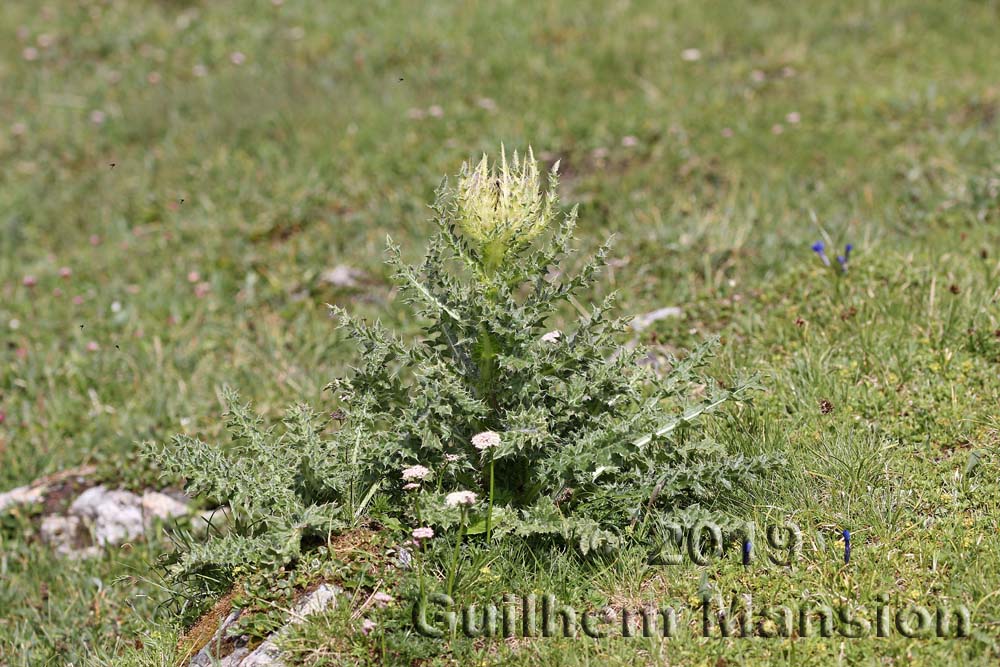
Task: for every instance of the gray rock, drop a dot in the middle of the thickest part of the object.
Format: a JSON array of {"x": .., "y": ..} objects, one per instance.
[
  {"x": 39, "y": 489},
  {"x": 268, "y": 654},
  {"x": 22, "y": 495},
  {"x": 156, "y": 505},
  {"x": 235, "y": 659},
  {"x": 113, "y": 516},
  {"x": 317, "y": 601},
  {"x": 205, "y": 657},
  {"x": 65, "y": 534},
  {"x": 404, "y": 558},
  {"x": 217, "y": 521},
  {"x": 342, "y": 276},
  {"x": 98, "y": 517}
]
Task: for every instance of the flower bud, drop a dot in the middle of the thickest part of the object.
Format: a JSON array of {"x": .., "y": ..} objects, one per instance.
[{"x": 503, "y": 207}]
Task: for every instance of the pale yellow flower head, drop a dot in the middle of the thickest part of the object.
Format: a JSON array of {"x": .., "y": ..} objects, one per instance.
[{"x": 503, "y": 206}]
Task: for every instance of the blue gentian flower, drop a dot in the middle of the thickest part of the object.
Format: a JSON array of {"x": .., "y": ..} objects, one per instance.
[
  {"x": 819, "y": 247},
  {"x": 847, "y": 546},
  {"x": 747, "y": 548},
  {"x": 842, "y": 259}
]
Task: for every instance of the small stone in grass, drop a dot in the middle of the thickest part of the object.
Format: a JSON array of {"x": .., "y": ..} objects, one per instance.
[
  {"x": 342, "y": 276},
  {"x": 641, "y": 322}
]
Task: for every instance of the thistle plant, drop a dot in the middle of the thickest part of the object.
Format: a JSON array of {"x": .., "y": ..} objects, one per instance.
[
  {"x": 489, "y": 422},
  {"x": 560, "y": 432}
]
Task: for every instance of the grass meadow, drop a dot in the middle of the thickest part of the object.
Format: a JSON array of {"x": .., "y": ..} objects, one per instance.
[{"x": 177, "y": 176}]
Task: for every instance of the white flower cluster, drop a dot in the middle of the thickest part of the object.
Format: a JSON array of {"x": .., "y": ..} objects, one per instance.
[
  {"x": 486, "y": 440},
  {"x": 457, "y": 498},
  {"x": 423, "y": 533},
  {"x": 415, "y": 473}
]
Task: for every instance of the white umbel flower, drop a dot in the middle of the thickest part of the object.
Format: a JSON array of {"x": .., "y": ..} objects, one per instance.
[
  {"x": 486, "y": 440},
  {"x": 456, "y": 498},
  {"x": 415, "y": 473},
  {"x": 423, "y": 533}
]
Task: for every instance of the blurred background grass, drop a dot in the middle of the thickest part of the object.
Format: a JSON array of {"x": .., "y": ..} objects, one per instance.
[{"x": 195, "y": 167}]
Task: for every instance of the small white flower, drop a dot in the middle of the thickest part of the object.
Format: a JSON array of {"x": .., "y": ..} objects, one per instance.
[
  {"x": 423, "y": 533},
  {"x": 382, "y": 599},
  {"x": 415, "y": 473},
  {"x": 630, "y": 141},
  {"x": 552, "y": 336},
  {"x": 367, "y": 626},
  {"x": 451, "y": 458},
  {"x": 411, "y": 486},
  {"x": 485, "y": 440},
  {"x": 793, "y": 117},
  {"x": 459, "y": 498},
  {"x": 691, "y": 55}
]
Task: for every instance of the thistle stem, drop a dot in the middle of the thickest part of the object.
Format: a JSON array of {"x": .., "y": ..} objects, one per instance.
[
  {"x": 454, "y": 555},
  {"x": 487, "y": 352},
  {"x": 419, "y": 548},
  {"x": 489, "y": 515},
  {"x": 420, "y": 569}
]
